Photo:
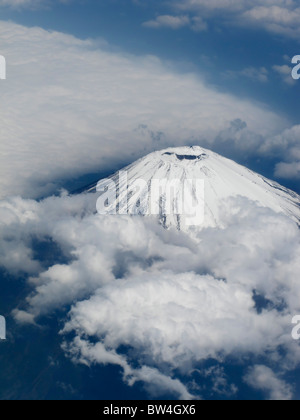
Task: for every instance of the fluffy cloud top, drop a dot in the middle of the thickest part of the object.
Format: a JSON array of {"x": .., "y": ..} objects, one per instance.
[
  {"x": 71, "y": 107},
  {"x": 275, "y": 16},
  {"x": 263, "y": 378},
  {"x": 285, "y": 72},
  {"x": 176, "y": 22},
  {"x": 286, "y": 145},
  {"x": 174, "y": 301},
  {"x": 255, "y": 74}
]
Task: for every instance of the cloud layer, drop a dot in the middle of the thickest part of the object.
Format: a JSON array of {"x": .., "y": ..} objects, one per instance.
[
  {"x": 70, "y": 106},
  {"x": 275, "y": 16},
  {"x": 171, "y": 300},
  {"x": 176, "y": 22},
  {"x": 29, "y": 4},
  {"x": 263, "y": 378}
]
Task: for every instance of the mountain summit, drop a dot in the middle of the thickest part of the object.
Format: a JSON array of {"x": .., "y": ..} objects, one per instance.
[{"x": 223, "y": 179}]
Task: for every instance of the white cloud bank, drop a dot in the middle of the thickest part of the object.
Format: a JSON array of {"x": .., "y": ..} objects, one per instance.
[
  {"x": 20, "y": 3},
  {"x": 287, "y": 146},
  {"x": 256, "y": 74},
  {"x": 173, "y": 300},
  {"x": 263, "y": 378},
  {"x": 280, "y": 17},
  {"x": 173, "y": 22},
  {"x": 29, "y": 4},
  {"x": 285, "y": 72},
  {"x": 176, "y": 22},
  {"x": 71, "y": 107}
]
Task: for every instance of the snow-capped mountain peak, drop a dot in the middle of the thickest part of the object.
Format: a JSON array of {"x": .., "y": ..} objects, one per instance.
[{"x": 162, "y": 182}]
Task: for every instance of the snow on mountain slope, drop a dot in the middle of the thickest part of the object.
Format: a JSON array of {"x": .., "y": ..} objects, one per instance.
[{"x": 223, "y": 179}]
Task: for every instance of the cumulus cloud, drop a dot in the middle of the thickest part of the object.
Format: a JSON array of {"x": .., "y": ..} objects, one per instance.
[
  {"x": 287, "y": 170},
  {"x": 172, "y": 300},
  {"x": 154, "y": 381},
  {"x": 176, "y": 22},
  {"x": 285, "y": 72},
  {"x": 275, "y": 16},
  {"x": 70, "y": 106},
  {"x": 264, "y": 379},
  {"x": 255, "y": 74},
  {"x": 244, "y": 143},
  {"x": 29, "y": 4},
  {"x": 285, "y": 146},
  {"x": 220, "y": 381},
  {"x": 20, "y": 3}
]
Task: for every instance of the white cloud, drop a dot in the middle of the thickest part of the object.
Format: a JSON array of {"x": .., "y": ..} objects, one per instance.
[
  {"x": 264, "y": 379},
  {"x": 285, "y": 72},
  {"x": 286, "y": 147},
  {"x": 256, "y": 74},
  {"x": 177, "y": 22},
  {"x": 286, "y": 170},
  {"x": 29, "y": 4},
  {"x": 173, "y": 22},
  {"x": 260, "y": 74},
  {"x": 220, "y": 381},
  {"x": 281, "y": 20},
  {"x": 154, "y": 381},
  {"x": 20, "y": 3},
  {"x": 175, "y": 300},
  {"x": 275, "y": 16},
  {"x": 70, "y": 106}
]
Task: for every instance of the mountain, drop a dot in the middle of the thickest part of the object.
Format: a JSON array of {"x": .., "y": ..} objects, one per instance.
[{"x": 222, "y": 179}]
